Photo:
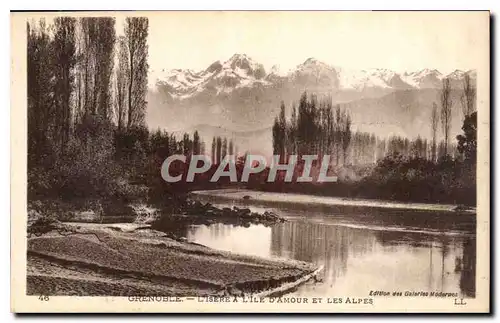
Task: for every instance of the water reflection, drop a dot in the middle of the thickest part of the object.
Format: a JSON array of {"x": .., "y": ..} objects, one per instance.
[{"x": 357, "y": 260}]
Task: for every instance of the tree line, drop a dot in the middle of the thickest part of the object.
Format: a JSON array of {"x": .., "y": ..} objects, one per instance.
[
  {"x": 315, "y": 127},
  {"x": 222, "y": 147},
  {"x": 73, "y": 84},
  {"x": 318, "y": 127},
  {"x": 444, "y": 113},
  {"x": 87, "y": 91}
]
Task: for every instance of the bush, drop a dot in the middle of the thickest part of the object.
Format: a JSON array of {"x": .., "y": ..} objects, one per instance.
[
  {"x": 84, "y": 169},
  {"x": 420, "y": 180}
]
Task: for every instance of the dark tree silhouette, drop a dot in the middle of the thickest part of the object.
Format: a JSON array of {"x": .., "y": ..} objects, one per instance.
[
  {"x": 122, "y": 72},
  {"x": 446, "y": 111},
  {"x": 468, "y": 98},
  {"x": 196, "y": 143},
  {"x": 40, "y": 94},
  {"x": 467, "y": 142},
  {"x": 346, "y": 134},
  {"x": 136, "y": 34},
  {"x": 224, "y": 148},
  {"x": 64, "y": 61},
  {"x": 434, "y": 127},
  {"x": 218, "y": 152},
  {"x": 105, "y": 45},
  {"x": 214, "y": 149}
]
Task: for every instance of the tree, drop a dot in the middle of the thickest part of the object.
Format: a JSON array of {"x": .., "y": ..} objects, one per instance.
[
  {"x": 218, "y": 152},
  {"x": 346, "y": 134},
  {"x": 283, "y": 131},
  {"x": 86, "y": 65},
  {"x": 292, "y": 131},
  {"x": 105, "y": 45},
  {"x": 224, "y": 148},
  {"x": 446, "y": 105},
  {"x": 417, "y": 148},
  {"x": 39, "y": 90},
  {"x": 64, "y": 51},
  {"x": 214, "y": 148},
  {"x": 434, "y": 126},
  {"x": 187, "y": 145},
  {"x": 468, "y": 98},
  {"x": 467, "y": 142},
  {"x": 196, "y": 143},
  {"x": 338, "y": 134},
  {"x": 136, "y": 34},
  {"x": 79, "y": 74},
  {"x": 276, "y": 136},
  {"x": 280, "y": 134},
  {"x": 96, "y": 43},
  {"x": 330, "y": 127},
  {"x": 302, "y": 124},
  {"x": 122, "y": 73}
]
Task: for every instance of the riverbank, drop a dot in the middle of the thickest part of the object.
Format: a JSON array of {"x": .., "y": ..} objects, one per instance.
[
  {"x": 132, "y": 259},
  {"x": 346, "y": 211},
  {"x": 311, "y": 201}
]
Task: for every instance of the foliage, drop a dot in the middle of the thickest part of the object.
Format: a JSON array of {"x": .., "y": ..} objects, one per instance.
[
  {"x": 446, "y": 112},
  {"x": 467, "y": 142},
  {"x": 417, "y": 179},
  {"x": 73, "y": 142},
  {"x": 136, "y": 34}
]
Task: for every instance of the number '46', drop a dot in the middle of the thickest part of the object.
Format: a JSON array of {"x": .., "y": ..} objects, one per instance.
[{"x": 43, "y": 298}]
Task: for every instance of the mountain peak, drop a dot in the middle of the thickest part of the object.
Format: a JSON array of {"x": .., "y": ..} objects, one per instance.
[
  {"x": 427, "y": 71},
  {"x": 314, "y": 64},
  {"x": 313, "y": 61},
  {"x": 214, "y": 67},
  {"x": 237, "y": 56},
  {"x": 239, "y": 60},
  {"x": 457, "y": 74},
  {"x": 242, "y": 63}
]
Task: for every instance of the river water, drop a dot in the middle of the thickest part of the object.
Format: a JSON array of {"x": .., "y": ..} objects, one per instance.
[{"x": 361, "y": 249}]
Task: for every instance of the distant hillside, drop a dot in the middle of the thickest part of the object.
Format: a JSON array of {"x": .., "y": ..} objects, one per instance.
[{"x": 405, "y": 112}]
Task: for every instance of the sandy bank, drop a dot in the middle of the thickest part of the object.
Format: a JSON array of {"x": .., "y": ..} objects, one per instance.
[{"x": 132, "y": 259}]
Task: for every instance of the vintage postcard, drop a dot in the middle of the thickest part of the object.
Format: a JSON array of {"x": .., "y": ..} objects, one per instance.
[{"x": 238, "y": 161}]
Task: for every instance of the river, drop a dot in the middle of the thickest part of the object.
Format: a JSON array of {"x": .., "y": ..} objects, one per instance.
[{"x": 362, "y": 249}]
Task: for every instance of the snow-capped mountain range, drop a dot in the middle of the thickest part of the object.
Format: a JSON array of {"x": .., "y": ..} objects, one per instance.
[{"x": 241, "y": 71}]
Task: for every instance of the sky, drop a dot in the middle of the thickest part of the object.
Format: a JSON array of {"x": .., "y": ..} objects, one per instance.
[{"x": 400, "y": 41}]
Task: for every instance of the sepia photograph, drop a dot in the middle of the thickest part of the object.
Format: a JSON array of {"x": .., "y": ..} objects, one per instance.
[{"x": 277, "y": 161}]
